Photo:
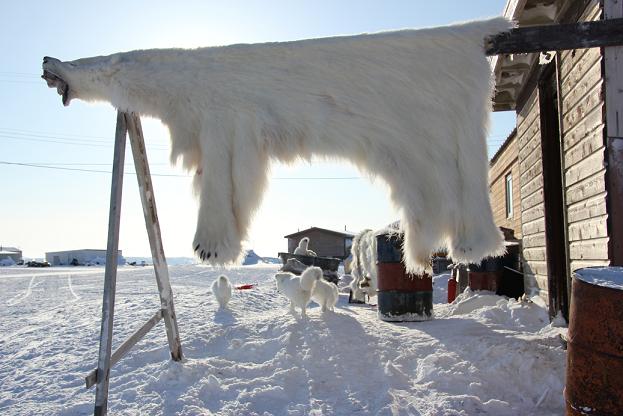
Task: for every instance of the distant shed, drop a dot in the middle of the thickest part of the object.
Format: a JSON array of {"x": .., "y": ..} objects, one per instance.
[
  {"x": 12, "y": 253},
  {"x": 79, "y": 257},
  {"x": 326, "y": 243}
]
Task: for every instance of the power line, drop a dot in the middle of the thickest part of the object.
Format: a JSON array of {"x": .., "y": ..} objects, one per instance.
[
  {"x": 49, "y": 166},
  {"x": 71, "y": 142},
  {"x": 33, "y": 165},
  {"x": 25, "y": 74}
]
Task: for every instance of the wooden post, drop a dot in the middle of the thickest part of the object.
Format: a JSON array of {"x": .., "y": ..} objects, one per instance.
[
  {"x": 110, "y": 275},
  {"x": 557, "y": 37},
  {"x": 613, "y": 76},
  {"x": 153, "y": 231}
]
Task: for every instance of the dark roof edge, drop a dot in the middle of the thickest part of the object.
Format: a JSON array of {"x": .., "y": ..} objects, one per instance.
[
  {"x": 320, "y": 229},
  {"x": 503, "y": 147}
]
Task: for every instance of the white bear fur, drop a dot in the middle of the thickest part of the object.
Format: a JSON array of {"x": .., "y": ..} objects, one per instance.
[
  {"x": 364, "y": 271},
  {"x": 302, "y": 248},
  {"x": 411, "y": 106}
]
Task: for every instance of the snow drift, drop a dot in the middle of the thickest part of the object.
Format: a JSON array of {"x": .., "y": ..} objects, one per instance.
[{"x": 410, "y": 106}]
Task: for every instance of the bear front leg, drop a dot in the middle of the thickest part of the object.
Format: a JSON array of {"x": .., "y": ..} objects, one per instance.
[{"x": 216, "y": 239}]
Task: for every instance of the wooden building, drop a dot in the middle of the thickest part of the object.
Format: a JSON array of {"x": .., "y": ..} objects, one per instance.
[
  {"x": 11, "y": 254},
  {"x": 565, "y": 165},
  {"x": 504, "y": 186},
  {"x": 80, "y": 257},
  {"x": 326, "y": 243}
]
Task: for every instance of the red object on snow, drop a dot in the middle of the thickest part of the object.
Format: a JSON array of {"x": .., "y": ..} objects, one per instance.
[
  {"x": 243, "y": 287},
  {"x": 451, "y": 290}
]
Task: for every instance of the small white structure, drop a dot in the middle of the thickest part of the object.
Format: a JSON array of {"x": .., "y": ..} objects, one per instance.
[
  {"x": 80, "y": 257},
  {"x": 12, "y": 253}
]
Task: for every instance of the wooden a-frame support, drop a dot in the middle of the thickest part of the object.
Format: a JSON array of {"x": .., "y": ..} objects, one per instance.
[{"x": 131, "y": 123}]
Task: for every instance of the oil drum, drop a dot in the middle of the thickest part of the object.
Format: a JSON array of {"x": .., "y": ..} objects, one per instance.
[
  {"x": 594, "y": 384},
  {"x": 401, "y": 296}
]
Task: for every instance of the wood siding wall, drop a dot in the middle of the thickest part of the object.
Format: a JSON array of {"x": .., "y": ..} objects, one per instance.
[
  {"x": 531, "y": 195},
  {"x": 584, "y": 152},
  {"x": 583, "y": 162},
  {"x": 506, "y": 162},
  {"x": 324, "y": 244}
]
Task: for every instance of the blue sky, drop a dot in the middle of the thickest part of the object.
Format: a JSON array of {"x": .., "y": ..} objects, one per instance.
[{"x": 43, "y": 209}]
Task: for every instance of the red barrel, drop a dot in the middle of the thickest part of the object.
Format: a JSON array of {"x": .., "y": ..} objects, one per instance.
[
  {"x": 487, "y": 275},
  {"x": 594, "y": 384},
  {"x": 451, "y": 290},
  {"x": 401, "y": 296}
]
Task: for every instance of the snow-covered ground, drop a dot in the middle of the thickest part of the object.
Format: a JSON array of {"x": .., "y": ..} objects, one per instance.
[{"x": 481, "y": 355}]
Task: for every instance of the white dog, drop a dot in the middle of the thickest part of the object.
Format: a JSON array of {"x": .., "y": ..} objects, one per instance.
[
  {"x": 221, "y": 289},
  {"x": 324, "y": 293},
  {"x": 409, "y": 106},
  {"x": 296, "y": 288},
  {"x": 302, "y": 248}
]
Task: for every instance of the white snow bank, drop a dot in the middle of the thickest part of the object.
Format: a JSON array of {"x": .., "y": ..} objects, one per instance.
[
  {"x": 602, "y": 276},
  {"x": 499, "y": 310},
  {"x": 255, "y": 358}
]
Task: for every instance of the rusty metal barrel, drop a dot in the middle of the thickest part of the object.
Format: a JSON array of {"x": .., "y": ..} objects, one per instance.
[
  {"x": 594, "y": 384},
  {"x": 486, "y": 275},
  {"x": 401, "y": 296}
]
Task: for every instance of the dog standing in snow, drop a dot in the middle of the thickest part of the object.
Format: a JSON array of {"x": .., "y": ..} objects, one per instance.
[
  {"x": 221, "y": 289},
  {"x": 324, "y": 293},
  {"x": 296, "y": 288},
  {"x": 409, "y": 106},
  {"x": 303, "y": 248}
]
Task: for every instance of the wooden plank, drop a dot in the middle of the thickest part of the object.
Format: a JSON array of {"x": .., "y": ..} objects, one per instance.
[
  {"x": 580, "y": 88},
  {"x": 534, "y": 213},
  {"x": 153, "y": 231},
  {"x": 537, "y": 240},
  {"x": 532, "y": 186},
  {"x": 585, "y": 73},
  {"x": 596, "y": 249},
  {"x": 533, "y": 227},
  {"x": 591, "y": 144},
  {"x": 530, "y": 201},
  {"x": 588, "y": 229},
  {"x": 574, "y": 134},
  {"x": 532, "y": 156},
  {"x": 534, "y": 253},
  {"x": 110, "y": 275},
  {"x": 591, "y": 208},
  {"x": 584, "y": 107},
  {"x": 534, "y": 171},
  {"x": 571, "y": 57},
  {"x": 613, "y": 74},
  {"x": 588, "y": 188},
  {"x": 536, "y": 267},
  {"x": 126, "y": 346},
  {"x": 556, "y": 37},
  {"x": 586, "y": 168}
]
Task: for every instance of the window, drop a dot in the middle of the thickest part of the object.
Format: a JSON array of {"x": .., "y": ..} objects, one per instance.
[{"x": 509, "y": 196}]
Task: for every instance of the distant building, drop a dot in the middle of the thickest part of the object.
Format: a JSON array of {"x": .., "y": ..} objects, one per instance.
[
  {"x": 79, "y": 257},
  {"x": 12, "y": 253},
  {"x": 326, "y": 243}
]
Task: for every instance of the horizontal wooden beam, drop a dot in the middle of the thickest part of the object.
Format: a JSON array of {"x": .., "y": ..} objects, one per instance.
[
  {"x": 557, "y": 37},
  {"x": 123, "y": 349}
]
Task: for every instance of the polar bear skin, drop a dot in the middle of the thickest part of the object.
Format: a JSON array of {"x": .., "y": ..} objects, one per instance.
[{"x": 408, "y": 106}]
